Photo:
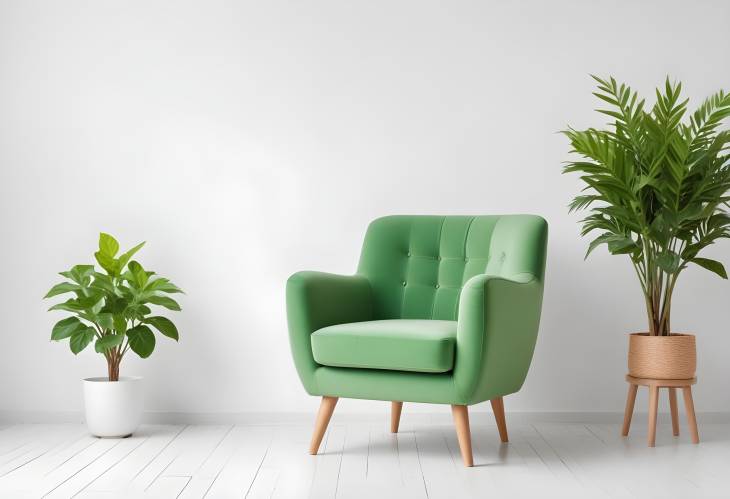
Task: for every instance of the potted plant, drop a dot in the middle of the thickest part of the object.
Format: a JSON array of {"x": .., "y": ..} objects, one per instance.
[
  {"x": 112, "y": 310},
  {"x": 656, "y": 187}
]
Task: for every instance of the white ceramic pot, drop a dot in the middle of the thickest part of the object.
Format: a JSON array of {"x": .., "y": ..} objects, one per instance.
[{"x": 113, "y": 408}]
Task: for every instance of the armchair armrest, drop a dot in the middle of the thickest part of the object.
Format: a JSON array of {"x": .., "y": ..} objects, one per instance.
[
  {"x": 496, "y": 335},
  {"x": 315, "y": 300}
]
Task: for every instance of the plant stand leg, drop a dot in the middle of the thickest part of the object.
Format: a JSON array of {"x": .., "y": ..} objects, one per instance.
[
  {"x": 630, "y": 400},
  {"x": 689, "y": 407},
  {"x": 395, "y": 410},
  {"x": 674, "y": 411},
  {"x": 326, "y": 408},
  {"x": 498, "y": 409},
  {"x": 461, "y": 421},
  {"x": 653, "y": 406}
]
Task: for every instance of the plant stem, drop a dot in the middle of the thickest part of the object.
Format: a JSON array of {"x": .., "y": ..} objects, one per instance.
[
  {"x": 667, "y": 306},
  {"x": 113, "y": 367}
]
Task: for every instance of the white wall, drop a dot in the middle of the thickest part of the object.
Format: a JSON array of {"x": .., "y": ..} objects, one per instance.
[{"x": 244, "y": 142}]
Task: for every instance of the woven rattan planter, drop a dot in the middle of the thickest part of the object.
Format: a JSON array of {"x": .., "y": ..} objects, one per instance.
[{"x": 662, "y": 357}]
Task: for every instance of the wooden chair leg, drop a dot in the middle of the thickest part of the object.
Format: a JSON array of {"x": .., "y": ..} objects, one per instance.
[
  {"x": 653, "y": 406},
  {"x": 395, "y": 410},
  {"x": 461, "y": 421},
  {"x": 630, "y": 400},
  {"x": 689, "y": 408},
  {"x": 326, "y": 408},
  {"x": 498, "y": 409},
  {"x": 674, "y": 411}
]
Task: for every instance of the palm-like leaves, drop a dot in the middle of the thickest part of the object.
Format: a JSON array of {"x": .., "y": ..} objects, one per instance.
[{"x": 656, "y": 186}]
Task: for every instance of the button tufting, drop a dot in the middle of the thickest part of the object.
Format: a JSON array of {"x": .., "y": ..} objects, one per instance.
[
  {"x": 438, "y": 286},
  {"x": 438, "y": 258},
  {"x": 404, "y": 283},
  {"x": 408, "y": 254}
]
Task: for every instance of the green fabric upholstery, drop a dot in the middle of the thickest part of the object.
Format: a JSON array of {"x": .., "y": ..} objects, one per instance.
[
  {"x": 399, "y": 345},
  {"x": 485, "y": 272}
]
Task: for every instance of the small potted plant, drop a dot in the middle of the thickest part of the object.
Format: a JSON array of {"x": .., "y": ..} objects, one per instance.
[
  {"x": 112, "y": 310},
  {"x": 657, "y": 186}
]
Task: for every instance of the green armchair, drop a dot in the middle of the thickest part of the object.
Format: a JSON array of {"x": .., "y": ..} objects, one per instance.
[{"x": 442, "y": 310}]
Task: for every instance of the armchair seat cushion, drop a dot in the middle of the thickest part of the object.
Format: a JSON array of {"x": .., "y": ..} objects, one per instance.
[{"x": 425, "y": 346}]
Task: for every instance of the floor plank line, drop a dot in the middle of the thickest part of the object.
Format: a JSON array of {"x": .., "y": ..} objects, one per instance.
[
  {"x": 91, "y": 442},
  {"x": 217, "y": 446},
  {"x": 22, "y": 475},
  {"x": 123, "y": 475},
  {"x": 48, "y": 492},
  {"x": 114, "y": 463},
  {"x": 420, "y": 466},
  {"x": 339, "y": 464},
  {"x": 162, "y": 474},
  {"x": 542, "y": 437},
  {"x": 205, "y": 494},
  {"x": 328, "y": 463},
  {"x": 163, "y": 459},
  {"x": 241, "y": 466},
  {"x": 161, "y": 451},
  {"x": 265, "y": 484},
  {"x": 45, "y": 441},
  {"x": 258, "y": 469},
  {"x": 203, "y": 477}
]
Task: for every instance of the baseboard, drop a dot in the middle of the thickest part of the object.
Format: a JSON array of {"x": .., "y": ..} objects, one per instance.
[{"x": 288, "y": 418}]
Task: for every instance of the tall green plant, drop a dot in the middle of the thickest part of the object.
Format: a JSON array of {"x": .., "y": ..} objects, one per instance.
[
  {"x": 656, "y": 186},
  {"x": 112, "y": 307}
]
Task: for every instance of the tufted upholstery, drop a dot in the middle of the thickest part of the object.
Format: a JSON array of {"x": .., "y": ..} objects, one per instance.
[
  {"x": 485, "y": 273},
  {"x": 417, "y": 265}
]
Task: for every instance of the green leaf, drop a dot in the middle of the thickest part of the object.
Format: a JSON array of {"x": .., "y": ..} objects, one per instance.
[
  {"x": 116, "y": 305},
  {"x": 141, "y": 340},
  {"x": 107, "y": 262},
  {"x": 103, "y": 283},
  {"x": 61, "y": 288},
  {"x": 108, "y": 341},
  {"x": 603, "y": 238},
  {"x": 668, "y": 261},
  {"x": 79, "y": 273},
  {"x": 659, "y": 230},
  {"x": 120, "y": 323},
  {"x": 90, "y": 304},
  {"x": 96, "y": 306},
  {"x": 83, "y": 272},
  {"x": 163, "y": 325},
  {"x": 163, "y": 285},
  {"x": 644, "y": 180},
  {"x": 66, "y": 328},
  {"x": 125, "y": 257},
  {"x": 81, "y": 338},
  {"x": 692, "y": 212},
  {"x": 164, "y": 301},
  {"x": 138, "y": 311},
  {"x": 711, "y": 265},
  {"x": 108, "y": 246},
  {"x": 71, "y": 305},
  {"x": 105, "y": 320},
  {"x": 139, "y": 276},
  {"x": 621, "y": 246}
]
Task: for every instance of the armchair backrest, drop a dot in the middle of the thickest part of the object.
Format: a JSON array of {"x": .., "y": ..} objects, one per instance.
[{"x": 417, "y": 265}]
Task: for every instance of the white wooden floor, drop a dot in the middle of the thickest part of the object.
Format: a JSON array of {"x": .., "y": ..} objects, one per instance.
[{"x": 363, "y": 460}]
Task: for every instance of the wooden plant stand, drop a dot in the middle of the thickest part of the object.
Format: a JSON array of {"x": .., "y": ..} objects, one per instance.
[{"x": 654, "y": 386}]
